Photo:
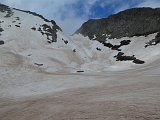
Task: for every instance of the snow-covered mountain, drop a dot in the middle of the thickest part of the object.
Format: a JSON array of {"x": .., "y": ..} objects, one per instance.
[
  {"x": 28, "y": 40},
  {"x": 93, "y": 74}
]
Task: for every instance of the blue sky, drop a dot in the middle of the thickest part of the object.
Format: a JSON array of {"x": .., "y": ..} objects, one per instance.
[{"x": 70, "y": 14}]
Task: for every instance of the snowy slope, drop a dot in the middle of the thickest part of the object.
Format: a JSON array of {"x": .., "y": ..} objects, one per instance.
[
  {"x": 26, "y": 47},
  {"x": 47, "y": 75}
]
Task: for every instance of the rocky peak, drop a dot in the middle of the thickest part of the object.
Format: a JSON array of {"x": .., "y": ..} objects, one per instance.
[{"x": 128, "y": 23}]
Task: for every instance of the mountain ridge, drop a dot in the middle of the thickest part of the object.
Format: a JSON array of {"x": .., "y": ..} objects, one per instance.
[{"x": 128, "y": 23}]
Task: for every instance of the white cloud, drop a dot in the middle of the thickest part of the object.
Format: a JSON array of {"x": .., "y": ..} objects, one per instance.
[
  {"x": 120, "y": 5},
  {"x": 150, "y": 3},
  {"x": 124, "y": 7}
]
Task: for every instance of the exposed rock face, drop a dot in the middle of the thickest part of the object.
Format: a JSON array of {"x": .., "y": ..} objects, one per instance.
[
  {"x": 132, "y": 22},
  {"x": 121, "y": 57},
  {"x": 116, "y": 47},
  {"x": 1, "y": 42},
  {"x": 154, "y": 41},
  {"x": 4, "y": 8}
]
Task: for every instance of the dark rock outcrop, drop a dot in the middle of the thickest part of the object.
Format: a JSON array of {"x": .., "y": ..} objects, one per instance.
[
  {"x": 49, "y": 31},
  {"x": 128, "y": 23},
  {"x": 121, "y": 57},
  {"x": 17, "y": 26},
  {"x": 99, "y": 49},
  {"x": 65, "y": 41},
  {"x": 116, "y": 47},
  {"x": 154, "y": 41},
  {"x": 38, "y": 64},
  {"x": 1, "y": 42},
  {"x": 1, "y": 30},
  {"x": 4, "y": 8},
  {"x": 81, "y": 71}
]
